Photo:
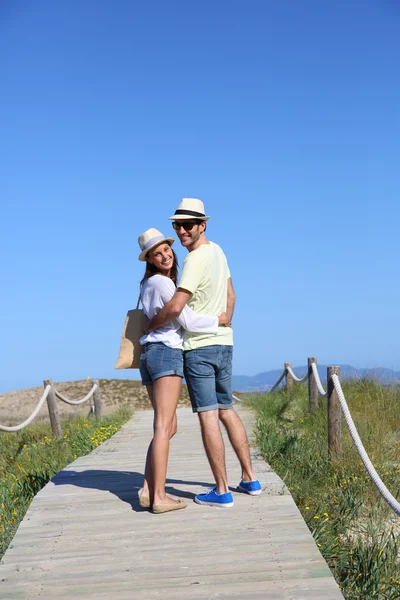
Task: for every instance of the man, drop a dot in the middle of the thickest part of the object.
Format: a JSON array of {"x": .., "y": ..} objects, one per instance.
[{"x": 206, "y": 286}]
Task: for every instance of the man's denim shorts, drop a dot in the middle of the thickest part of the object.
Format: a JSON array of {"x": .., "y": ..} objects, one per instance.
[
  {"x": 208, "y": 374},
  {"x": 158, "y": 360}
]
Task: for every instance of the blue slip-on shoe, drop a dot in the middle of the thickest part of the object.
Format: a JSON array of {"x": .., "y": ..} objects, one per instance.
[
  {"x": 250, "y": 487},
  {"x": 212, "y": 498}
]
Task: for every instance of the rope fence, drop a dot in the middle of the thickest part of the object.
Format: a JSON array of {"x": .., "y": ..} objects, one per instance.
[
  {"x": 51, "y": 394},
  {"x": 336, "y": 406},
  {"x": 76, "y": 402}
]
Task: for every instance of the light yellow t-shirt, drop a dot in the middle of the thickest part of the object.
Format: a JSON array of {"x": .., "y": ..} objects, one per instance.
[{"x": 205, "y": 274}]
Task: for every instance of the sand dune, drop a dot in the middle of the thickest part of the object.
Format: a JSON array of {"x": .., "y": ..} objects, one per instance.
[{"x": 16, "y": 406}]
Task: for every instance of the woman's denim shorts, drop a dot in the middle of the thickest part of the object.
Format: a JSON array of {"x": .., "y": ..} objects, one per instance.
[{"x": 158, "y": 360}]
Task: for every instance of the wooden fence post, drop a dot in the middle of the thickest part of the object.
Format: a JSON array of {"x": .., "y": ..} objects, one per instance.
[
  {"x": 98, "y": 407},
  {"x": 313, "y": 394},
  {"x": 334, "y": 417},
  {"x": 53, "y": 410},
  {"x": 289, "y": 378}
]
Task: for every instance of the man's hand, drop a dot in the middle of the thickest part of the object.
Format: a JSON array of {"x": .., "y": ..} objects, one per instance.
[{"x": 223, "y": 320}]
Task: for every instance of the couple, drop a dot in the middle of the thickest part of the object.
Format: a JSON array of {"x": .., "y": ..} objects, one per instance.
[{"x": 193, "y": 315}]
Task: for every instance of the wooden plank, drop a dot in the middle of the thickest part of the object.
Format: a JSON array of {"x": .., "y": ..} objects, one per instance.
[{"x": 85, "y": 535}]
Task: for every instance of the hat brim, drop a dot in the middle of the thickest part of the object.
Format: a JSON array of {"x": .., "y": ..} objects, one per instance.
[
  {"x": 184, "y": 217},
  {"x": 142, "y": 255}
]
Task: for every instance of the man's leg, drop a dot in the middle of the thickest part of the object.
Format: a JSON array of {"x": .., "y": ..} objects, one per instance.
[
  {"x": 199, "y": 368},
  {"x": 238, "y": 438},
  {"x": 214, "y": 447},
  {"x": 231, "y": 420}
]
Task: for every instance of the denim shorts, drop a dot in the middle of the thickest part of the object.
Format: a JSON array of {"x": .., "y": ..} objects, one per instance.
[
  {"x": 158, "y": 360},
  {"x": 208, "y": 374}
]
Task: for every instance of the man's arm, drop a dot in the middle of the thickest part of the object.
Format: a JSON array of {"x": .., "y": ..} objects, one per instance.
[
  {"x": 170, "y": 310},
  {"x": 231, "y": 300}
]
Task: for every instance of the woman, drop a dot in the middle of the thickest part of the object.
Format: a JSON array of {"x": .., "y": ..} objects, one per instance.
[{"x": 161, "y": 362}]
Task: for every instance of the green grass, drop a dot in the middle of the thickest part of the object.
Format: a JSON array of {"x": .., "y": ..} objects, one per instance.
[
  {"x": 357, "y": 533},
  {"x": 31, "y": 457}
]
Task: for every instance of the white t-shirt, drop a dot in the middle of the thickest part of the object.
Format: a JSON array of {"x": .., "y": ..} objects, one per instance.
[
  {"x": 205, "y": 274},
  {"x": 157, "y": 291}
]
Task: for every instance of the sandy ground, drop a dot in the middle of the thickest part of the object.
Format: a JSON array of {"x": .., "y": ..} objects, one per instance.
[{"x": 17, "y": 406}]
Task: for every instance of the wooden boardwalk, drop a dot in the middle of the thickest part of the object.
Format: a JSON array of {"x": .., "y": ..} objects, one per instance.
[{"x": 85, "y": 536}]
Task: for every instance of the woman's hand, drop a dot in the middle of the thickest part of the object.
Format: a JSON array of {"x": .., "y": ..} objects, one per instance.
[{"x": 223, "y": 320}]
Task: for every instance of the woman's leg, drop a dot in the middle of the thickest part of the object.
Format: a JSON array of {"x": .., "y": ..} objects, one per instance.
[
  {"x": 148, "y": 486},
  {"x": 166, "y": 392},
  {"x": 147, "y": 490}
]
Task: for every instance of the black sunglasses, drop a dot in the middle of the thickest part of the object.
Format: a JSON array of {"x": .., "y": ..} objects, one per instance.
[{"x": 187, "y": 225}]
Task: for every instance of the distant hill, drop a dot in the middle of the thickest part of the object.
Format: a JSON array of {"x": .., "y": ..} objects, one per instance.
[{"x": 264, "y": 381}]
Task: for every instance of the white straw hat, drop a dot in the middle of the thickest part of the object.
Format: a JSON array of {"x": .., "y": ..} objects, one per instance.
[
  {"x": 190, "y": 208},
  {"x": 150, "y": 238}
]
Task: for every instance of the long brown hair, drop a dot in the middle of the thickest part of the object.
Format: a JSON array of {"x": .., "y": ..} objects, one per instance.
[{"x": 152, "y": 270}]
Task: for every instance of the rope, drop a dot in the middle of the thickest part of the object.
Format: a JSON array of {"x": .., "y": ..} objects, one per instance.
[
  {"x": 278, "y": 382},
  {"x": 377, "y": 481},
  {"x": 33, "y": 415},
  {"x": 289, "y": 370},
  {"x": 236, "y": 398},
  {"x": 75, "y": 402},
  {"x": 317, "y": 380},
  {"x": 382, "y": 489}
]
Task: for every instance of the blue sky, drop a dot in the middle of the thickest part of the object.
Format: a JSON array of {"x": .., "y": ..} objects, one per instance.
[{"x": 283, "y": 117}]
